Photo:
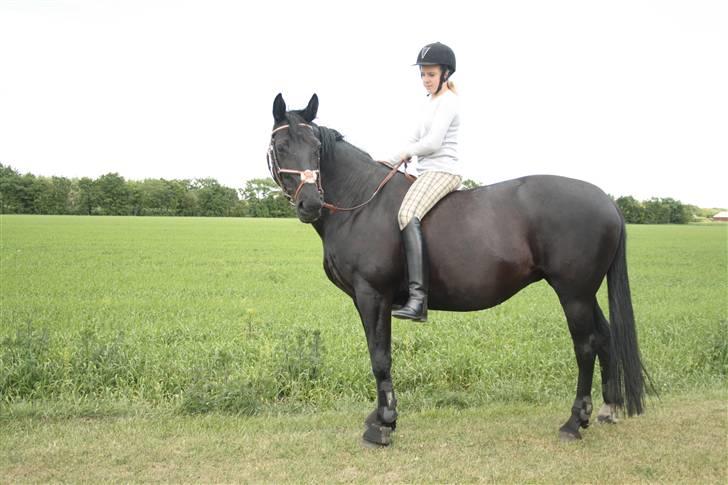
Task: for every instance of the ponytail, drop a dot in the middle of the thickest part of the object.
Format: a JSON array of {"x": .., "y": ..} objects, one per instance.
[{"x": 445, "y": 74}]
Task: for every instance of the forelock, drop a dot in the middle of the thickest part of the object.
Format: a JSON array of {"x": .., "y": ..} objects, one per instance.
[{"x": 295, "y": 131}]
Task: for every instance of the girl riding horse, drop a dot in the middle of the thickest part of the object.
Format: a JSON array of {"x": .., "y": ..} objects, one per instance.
[{"x": 434, "y": 143}]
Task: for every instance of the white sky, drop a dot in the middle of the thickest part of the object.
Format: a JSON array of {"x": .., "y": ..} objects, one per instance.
[{"x": 629, "y": 95}]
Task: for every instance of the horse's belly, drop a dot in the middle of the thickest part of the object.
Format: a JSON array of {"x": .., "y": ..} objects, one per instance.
[{"x": 478, "y": 286}]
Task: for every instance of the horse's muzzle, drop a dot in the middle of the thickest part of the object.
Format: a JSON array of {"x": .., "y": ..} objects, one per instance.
[
  {"x": 309, "y": 208},
  {"x": 309, "y": 217}
]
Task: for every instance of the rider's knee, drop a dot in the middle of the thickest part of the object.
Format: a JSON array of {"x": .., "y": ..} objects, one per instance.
[{"x": 404, "y": 217}]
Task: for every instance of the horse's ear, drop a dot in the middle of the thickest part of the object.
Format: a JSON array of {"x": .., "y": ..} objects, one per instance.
[
  {"x": 279, "y": 108},
  {"x": 309, "y": 114}
]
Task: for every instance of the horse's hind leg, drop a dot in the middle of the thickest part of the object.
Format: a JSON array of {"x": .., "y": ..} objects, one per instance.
[
  {"x": 610, "y": 392},
  {"x": 582, "y": 326}
]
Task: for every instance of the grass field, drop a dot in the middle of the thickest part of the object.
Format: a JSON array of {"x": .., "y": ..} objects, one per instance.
[
  {"x": 237, "y": 315},
  {"x": 138, "y": 320}
]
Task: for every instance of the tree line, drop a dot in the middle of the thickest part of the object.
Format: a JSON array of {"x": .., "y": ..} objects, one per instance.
[
  {"x": 656, "y": 211},
  {"x": 111, "y": 194}
]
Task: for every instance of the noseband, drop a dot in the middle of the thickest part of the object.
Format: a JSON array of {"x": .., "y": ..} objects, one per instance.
[{"x": 314, "y": 176}]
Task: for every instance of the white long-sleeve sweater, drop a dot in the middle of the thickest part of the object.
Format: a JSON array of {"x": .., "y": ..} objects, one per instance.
[{"x": 434, "y": 141}]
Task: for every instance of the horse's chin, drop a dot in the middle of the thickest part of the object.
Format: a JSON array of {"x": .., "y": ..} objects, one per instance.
[{"x": 307, "y": 217}]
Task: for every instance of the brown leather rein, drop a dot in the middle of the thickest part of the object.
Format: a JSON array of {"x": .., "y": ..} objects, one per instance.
[{"x": 314, "y": 176}]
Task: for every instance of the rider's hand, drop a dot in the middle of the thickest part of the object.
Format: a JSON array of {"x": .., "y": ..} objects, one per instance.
[{"x": 402, "y": 156}]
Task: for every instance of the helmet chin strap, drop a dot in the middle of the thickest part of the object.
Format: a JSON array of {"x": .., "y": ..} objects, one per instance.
[{"x": 443, "y": 79}]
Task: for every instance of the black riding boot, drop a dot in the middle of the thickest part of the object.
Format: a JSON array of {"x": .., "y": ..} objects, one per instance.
[{"x": 416, "y": 306}]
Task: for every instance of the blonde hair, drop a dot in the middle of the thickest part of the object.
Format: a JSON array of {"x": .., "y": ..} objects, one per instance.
[{"x": 451, "y": 86}]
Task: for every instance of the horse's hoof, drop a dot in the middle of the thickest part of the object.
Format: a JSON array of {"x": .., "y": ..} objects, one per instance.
[
  {"x": 607, "y": 414},
  {"x": 566, "y": 435},
  {"x": 607, "y": 419},
  {"x": 377, "y": 435},
  {"x": 372, "y": 446}
]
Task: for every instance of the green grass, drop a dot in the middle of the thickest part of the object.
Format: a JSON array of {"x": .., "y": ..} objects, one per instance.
[
  {"x": 113, "y": 315},
  {"x": 680, "y": 440},
  {"x": 215, "y": 350}
]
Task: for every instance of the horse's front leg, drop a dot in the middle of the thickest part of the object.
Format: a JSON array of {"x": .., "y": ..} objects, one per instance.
[{"x": 375, "y": 312}]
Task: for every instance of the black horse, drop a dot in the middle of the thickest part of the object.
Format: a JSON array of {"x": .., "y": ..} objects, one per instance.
[{"x": 483, "y": 246}]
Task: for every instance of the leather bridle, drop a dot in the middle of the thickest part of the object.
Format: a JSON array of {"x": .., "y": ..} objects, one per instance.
[
  {"x": 307, "y": 176},
  {"x": 314, "y": 176}
]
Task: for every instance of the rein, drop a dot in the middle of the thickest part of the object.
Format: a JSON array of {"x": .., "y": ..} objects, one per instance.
[
  {"x": 314, "y": 176},
  {"x": 386, "y": 179}
]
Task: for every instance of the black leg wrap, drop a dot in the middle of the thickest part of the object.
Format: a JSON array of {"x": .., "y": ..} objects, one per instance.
[
  {"x": 381, "y": 422},
  {"x": 580, "y": 414},
  {"x": 387, "y": 411},
  {"x": 385, "y": 414},
  {"x": 582, "y": 410}
]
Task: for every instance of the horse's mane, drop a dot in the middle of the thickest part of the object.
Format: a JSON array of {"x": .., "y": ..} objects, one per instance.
[
  {"x": 328, "y": 137},
  {"x": 359, "y": 181}
]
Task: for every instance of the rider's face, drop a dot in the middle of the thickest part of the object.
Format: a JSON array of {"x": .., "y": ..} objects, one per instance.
[{"x": 430, "y": 77}]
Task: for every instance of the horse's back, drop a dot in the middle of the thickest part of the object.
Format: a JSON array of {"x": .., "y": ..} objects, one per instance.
[{"x": 496, "y": 239}]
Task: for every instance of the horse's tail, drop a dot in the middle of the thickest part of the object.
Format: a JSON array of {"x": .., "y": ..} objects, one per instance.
[{"x": 626, "y": 369}]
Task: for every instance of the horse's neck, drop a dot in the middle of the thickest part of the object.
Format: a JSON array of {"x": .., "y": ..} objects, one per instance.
[{"x": 350, "y": 177}]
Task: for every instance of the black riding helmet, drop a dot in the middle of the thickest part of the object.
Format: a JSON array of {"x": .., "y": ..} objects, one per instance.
[{"x": 437, "y": 54}]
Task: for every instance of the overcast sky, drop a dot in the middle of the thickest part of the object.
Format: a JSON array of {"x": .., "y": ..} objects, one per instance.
[{"x": 629, "y": 95}]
